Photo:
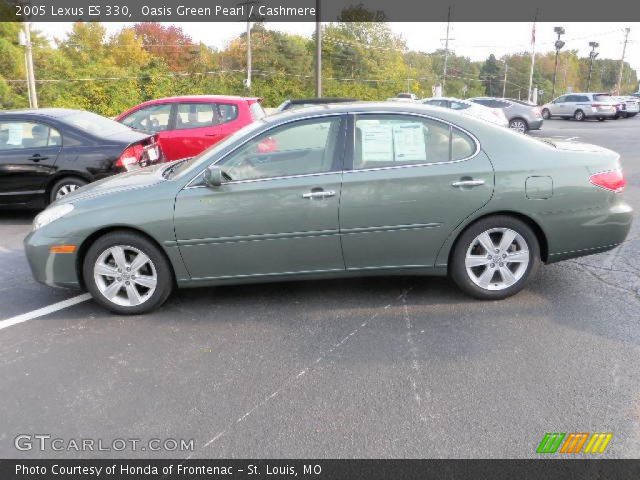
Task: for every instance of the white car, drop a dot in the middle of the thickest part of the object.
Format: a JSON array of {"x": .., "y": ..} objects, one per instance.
[
  {"x": 631, "y": 106},
  {"x": 492, "y": 115}
]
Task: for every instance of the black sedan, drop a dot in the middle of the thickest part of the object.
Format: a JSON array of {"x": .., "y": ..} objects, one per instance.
[{"x": 47, "y": 153}]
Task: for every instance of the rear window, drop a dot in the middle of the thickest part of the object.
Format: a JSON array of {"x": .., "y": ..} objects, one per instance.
[
  {"x": 257, "y": 112},
  {"x": 602, "y": 97},
  {"x": 94, "y": 124}
]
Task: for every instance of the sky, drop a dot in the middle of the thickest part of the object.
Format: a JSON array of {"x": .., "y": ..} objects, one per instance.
[{"x": 474, "y": 40}]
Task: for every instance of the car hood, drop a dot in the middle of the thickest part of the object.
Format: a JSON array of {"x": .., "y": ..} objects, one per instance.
[{"x": 133, "y": 180}]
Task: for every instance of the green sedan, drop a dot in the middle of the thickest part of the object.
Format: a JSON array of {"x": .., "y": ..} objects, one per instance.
[{"x": 335, "y": 191}]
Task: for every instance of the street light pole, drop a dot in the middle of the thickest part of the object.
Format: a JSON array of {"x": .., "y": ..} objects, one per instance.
[
  {"x": 318, "y": 51},
  {"x": 28, "y": 59},
  {"x": 559, "y": 44},
  {"x": 624, "y": 51},
  {"x": 592, "y": 55}
]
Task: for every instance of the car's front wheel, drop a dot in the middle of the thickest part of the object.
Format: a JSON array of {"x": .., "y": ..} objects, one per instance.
[
  {"x": 546, "y": 114},
  {"x": 127, "y": 273},
  {"x": 494, "y": 258}
]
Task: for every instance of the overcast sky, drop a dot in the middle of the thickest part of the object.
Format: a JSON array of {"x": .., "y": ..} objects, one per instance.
[{"x": 475, "y": 40}]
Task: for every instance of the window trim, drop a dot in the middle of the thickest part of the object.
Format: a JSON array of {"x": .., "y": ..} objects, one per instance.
[
  {"x": 343, "y": 133},
  {"x": 348, "y": 165}
]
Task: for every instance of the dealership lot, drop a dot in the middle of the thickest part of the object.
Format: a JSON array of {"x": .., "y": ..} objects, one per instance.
[{"x": 378, "y": 367}]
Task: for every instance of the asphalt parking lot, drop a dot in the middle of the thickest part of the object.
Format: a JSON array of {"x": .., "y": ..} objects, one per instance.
[{"x": 382, "y": 367}]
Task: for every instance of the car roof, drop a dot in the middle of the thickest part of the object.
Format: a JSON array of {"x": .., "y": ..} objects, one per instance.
[
  {"x": 41, "y": 112},
  {"x": 200, "y": 98},
  {"x": 302, "y": 101}
]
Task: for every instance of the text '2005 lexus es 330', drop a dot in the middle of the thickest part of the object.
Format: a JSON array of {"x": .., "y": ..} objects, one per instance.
[{"x": 350, "y": 189}]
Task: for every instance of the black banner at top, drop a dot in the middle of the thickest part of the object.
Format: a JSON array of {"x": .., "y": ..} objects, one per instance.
[{"x": 317, "y": 10}]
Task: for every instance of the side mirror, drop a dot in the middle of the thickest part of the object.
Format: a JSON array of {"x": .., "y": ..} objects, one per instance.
[{"x": 213, "y": 176}]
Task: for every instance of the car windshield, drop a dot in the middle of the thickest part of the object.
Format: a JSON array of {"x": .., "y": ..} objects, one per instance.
[
  {"x": 179, "y": 169},
  {"x": 94, "y": 124}
]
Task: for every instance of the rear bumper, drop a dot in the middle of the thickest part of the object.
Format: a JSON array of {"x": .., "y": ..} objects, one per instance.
[
  {"x": 536, "y": 124},
  {"x": 588, "y": 232}
]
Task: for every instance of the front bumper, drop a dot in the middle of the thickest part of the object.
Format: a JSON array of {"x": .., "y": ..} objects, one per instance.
[{"x": 52, "y": 269}]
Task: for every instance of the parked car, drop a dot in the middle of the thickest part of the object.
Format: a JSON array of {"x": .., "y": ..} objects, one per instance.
[
  {"x": 626, "y": 107},
  {"x": 310, "y": 102},
  {"x": 376, "y": 188},
  {"x": 522, "y": 117},
  {"x": 48, "y": 153},
  {"x": 493, "y": 115},
  {"x": 189, "y": 125},
  {"x": 581, "y": 106},
  {"x": 407, "y": 95}
]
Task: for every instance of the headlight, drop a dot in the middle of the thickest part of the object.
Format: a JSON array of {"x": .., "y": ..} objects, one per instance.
[{"x": 51, "y": 214}]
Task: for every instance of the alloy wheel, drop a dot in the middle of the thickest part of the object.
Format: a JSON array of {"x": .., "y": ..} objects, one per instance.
[
  {"x": 518, "y": 126},
  {"x": 66, "y": 189},
  {"x": 497, "y": 259},
  {"x": 125, "y": 275}
]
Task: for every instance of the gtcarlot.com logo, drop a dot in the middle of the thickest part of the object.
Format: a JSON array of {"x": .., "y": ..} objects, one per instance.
[
  {"x": 574, "y": 442},
  {"x": 45, "y": 442}
]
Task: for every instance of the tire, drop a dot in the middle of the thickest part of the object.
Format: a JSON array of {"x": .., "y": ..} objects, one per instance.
[
  {"x": 519, "y": 125},
  {"x": 579, "y": 115},
  {"x": 602, "y": 119},
  {"x": 546, "y": 114},
  {"x": 64, "y": 186},
  {"x": 471, "y": 280},
  {"x": 157, "y": 272}
]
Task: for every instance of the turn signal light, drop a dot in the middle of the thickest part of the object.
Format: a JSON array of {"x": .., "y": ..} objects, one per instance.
[
  {"x": 612, "y": 180},
  {"x": 62, "y": 249}
]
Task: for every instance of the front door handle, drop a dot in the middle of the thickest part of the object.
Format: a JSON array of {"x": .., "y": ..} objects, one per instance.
[
  {"x": 319, "y": 194},
  {"x": 37, "y": 157},
  {"x": 468, "y": 183}
]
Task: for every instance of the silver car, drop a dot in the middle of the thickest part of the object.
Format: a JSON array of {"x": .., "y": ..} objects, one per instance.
[
  {"x": 581, "y": 106},
  {"x": 522, "y": 116}
]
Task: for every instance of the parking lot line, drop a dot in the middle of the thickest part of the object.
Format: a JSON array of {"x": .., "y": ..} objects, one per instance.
[{"x": 9, "y": 322}]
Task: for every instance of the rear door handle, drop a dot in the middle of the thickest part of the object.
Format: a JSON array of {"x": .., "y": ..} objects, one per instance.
[
  {"x": 37, "y": 157},
  {"x": 319, "y": 194},
  {"x": 468, "y": 183}
]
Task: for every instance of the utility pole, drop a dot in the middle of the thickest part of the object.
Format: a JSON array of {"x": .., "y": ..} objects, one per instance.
[
  {"x": 446, "y": 51},
  {"x": 533, "y": 54},
  {"x": 248, "y": 82},
  {"x": 624, "y": 51},
  {"x": 592, "y": 55},
  {"x": 318, "y": 51},
  {"x": 504, "y": 84},
  {"x": 559, "y": 44},
  {"x": 28, "y": 60}
]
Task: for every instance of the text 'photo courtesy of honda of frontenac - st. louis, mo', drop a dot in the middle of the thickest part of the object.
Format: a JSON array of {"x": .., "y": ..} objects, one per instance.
[{"x": 332, "y": 191}]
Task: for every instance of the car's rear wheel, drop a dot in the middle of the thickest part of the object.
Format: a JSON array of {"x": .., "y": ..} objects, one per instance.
[
  {"x": 546, "y": 114},
  {"x": 519, "y": 125},
  {"x": 579, "y": 115},
  {"x": 64, "y": 187},
  {"x": 127, "y": 274},
  {"x": 494, "y": 258}
]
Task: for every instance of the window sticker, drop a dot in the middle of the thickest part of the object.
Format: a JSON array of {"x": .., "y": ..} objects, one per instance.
[
  {"x": 16, "y": 131},
  {"x": 377, "y": 142},
  {"x": 409, "y": 142}
]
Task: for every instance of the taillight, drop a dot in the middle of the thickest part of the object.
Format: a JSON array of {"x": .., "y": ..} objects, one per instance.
[
  {"x": 612, "y": 180},
  {"x": 130, "y": 156}
]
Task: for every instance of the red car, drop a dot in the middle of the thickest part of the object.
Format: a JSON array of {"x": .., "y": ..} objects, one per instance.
[{"x": 187, "y": 125}]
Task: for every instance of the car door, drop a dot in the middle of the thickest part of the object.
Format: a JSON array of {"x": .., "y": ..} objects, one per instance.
[
  {"x": 276, "y": 214},
  {"x": 28, "y": 153},
  {"x": 156, "y": 118},
  {"x": 556, "y": 107},
  {"x": 413, "y": 181},
  {"x": 199, "y": 125}
]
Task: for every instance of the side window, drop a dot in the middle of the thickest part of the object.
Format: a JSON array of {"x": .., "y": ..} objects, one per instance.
[
  {"x": 498, "y": 104},
  {"x": 571, "y": 99},
  {"x": 395, "y": 140},
  {"x": 20, "y": 135},
  {"x": 482, "y": 101},
  {"x": 561, "y": 99},
  {"x": 299, "y": 148},
  {"x": 198, "y": 115},
  {"x": 154, "y": 118},
  {"x": 583, "y": 98}
]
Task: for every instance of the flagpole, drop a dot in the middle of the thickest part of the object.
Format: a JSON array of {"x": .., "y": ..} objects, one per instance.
[{"x": 533, "y": 54}]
